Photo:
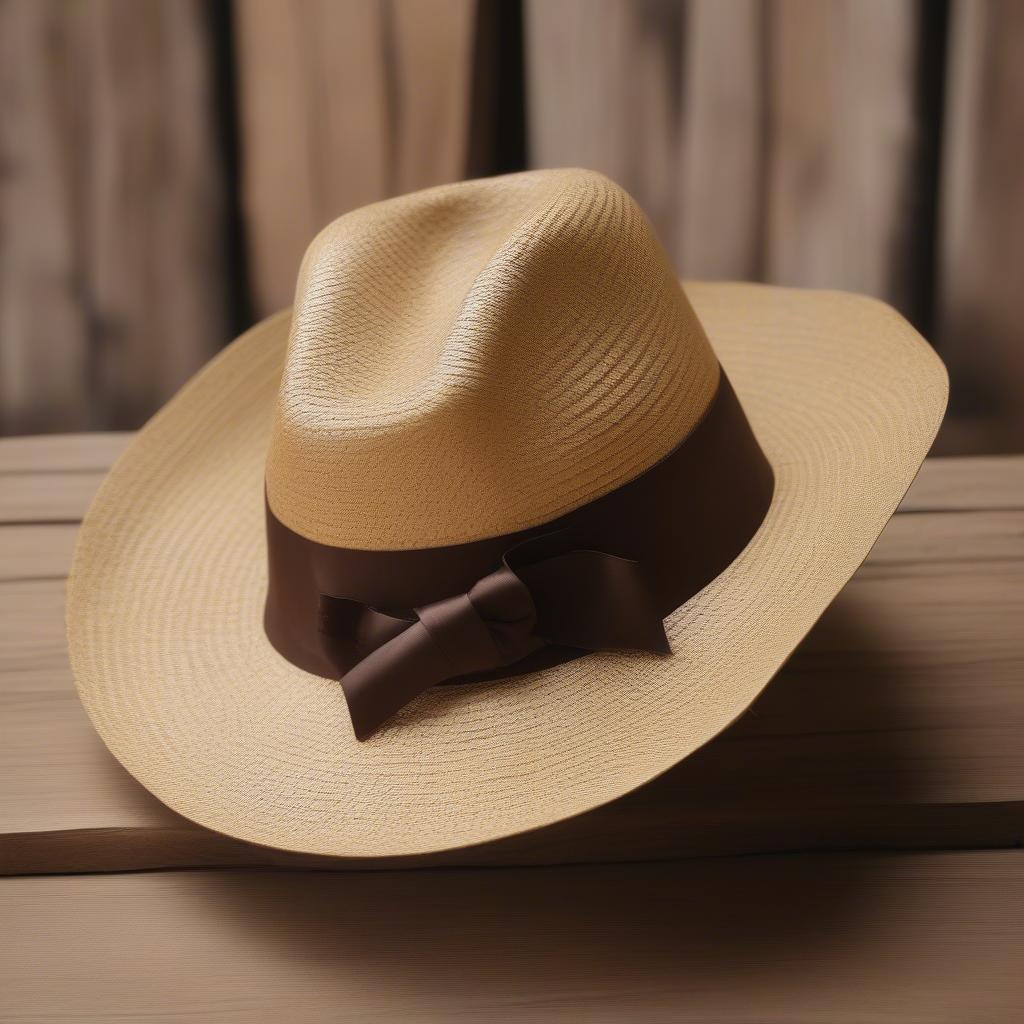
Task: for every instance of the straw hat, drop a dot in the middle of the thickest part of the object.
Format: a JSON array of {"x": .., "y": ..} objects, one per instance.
[{"x": 496, "y": 446}]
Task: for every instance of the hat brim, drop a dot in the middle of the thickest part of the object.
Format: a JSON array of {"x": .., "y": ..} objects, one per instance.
[{"x": 165, "y": 605}]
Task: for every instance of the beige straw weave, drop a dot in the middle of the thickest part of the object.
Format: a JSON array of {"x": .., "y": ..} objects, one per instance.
[
  {"x": 481, "y": 358},
  {"x": 465, "y": 362}
]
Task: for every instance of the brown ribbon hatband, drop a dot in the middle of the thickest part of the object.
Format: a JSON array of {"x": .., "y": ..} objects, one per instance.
[{"x": 390, "y": 624}]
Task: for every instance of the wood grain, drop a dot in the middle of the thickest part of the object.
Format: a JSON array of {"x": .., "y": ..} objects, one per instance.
[
  {"x": 669, "y": 99},
  {"x": 771, "y": 142},
  {"x": 112, "y": 278},
  {"x": 896, "y": 724},
  {"x": 49, "y": 479},
  {"x": 62, "y": 453},
  {"x": 792, "y": 142},
  {"x": 844, "y": 939},
  {"x": 603, "y": 92},
  {"x": 719, "y": 229},
  {"x": 842, "y": 151},
  {"x": 342, "y": 103},
  {"x": 982, "y": 241}
]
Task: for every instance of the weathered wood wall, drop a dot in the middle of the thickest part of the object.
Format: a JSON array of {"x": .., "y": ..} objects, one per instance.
[
  {"x": 981, "y": 257},
  {"x": 165, "y": 163},
  {"x": 868, "y": 145},
  {"x": 112, "y": 198},
  {"x": 343, "y": 102},
  {"x": 778, "y": 142}
]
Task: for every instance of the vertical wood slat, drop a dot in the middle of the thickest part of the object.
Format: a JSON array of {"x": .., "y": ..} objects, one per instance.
[
  {"x": 842, "y": 146},
  {"x": 295, "y": 163},
  {"x": 776, "y": 141},
  {"x": 765, "y": 141},
  {"x": 112, "y": 206},
  {"x": 981, "y": 258},
  {"x": 603, "y": 92},
  {"x": 44, "y": 329},
  {"x": 343, "y": 102},
  {"x": 720, "y": 224}
]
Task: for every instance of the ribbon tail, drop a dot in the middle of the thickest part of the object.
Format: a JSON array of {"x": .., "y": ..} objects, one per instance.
[{"x": 389, "y": 677}]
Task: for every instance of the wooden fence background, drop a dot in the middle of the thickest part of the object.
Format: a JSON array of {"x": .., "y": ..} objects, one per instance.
[{"x": 165, "y": 162}]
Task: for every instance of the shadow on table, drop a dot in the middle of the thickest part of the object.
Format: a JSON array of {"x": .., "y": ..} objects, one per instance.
[
  {"x": 532, "y": 937},
  {"x": 824, "y": 759},
  {"x": 828, "y": 728}
]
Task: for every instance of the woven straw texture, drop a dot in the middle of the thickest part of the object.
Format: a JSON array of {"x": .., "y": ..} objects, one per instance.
[
  {"x": 479, "y": 358},
  {"x": 166, "y": 596}
]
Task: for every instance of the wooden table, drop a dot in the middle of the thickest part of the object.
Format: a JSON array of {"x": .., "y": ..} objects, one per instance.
[{"x": 865, "y": 820}]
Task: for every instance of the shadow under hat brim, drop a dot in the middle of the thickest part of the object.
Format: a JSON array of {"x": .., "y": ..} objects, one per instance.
[{"x": 165, "y": 605}]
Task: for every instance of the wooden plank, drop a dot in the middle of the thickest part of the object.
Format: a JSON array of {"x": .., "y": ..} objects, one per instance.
[
  {"x": 774, "y": 142},
  {"x": 668, "y": 100},
  {"x": 900, "y": 939},
  {"x": 603, "y": 81},
  {"x": 433, "y": 46},
  {"x": 49, "y": 479},
  {"x": 54, "y": 453},
  {"x": 343, "y": 103},
  {"x": 45, "y": 353},
  {"x": 720, "y": 224},
  {"x": 896, "y": 724},
  {"x": 36, "y": 551},
  {"x": 981, "y": 330},
  {"x": 843, "y": 146},
  {"x": 111, "y": 274},
  {"x": 301, "y": 167},
  {"x": 46, "y": 497},
  {"x": 978, "y": 482}
]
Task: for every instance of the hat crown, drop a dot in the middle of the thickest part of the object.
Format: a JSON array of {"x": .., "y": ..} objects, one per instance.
[{"x": 479, "y": 358}]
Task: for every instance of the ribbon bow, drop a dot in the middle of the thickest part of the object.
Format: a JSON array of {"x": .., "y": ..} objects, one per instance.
[{"x": 583, "y": 599}]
